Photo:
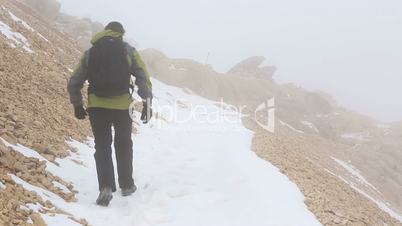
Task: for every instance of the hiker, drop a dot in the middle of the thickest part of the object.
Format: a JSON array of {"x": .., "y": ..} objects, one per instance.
[{"x": 108, "y": 67}]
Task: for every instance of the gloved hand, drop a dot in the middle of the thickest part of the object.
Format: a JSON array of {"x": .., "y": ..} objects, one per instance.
[
  {"x": 146, "y": 114},
  {"x": 80, "y": 112}
]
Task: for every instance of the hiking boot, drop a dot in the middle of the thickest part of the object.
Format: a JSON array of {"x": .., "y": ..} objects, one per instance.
[
  {"x": 128, "y": 191},
  {"x": 105, "y": 195}
]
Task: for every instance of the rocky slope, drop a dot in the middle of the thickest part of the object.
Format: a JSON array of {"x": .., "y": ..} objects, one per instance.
[
  {"x": 328, "y": 189},
  {"x": 35, "y": 62}
]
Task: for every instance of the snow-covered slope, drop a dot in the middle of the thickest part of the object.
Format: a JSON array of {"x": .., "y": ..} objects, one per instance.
[{"x": 200, "y": 171}]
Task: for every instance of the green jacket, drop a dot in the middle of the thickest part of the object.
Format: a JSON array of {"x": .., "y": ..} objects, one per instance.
[{"x": 122, "y": 102}]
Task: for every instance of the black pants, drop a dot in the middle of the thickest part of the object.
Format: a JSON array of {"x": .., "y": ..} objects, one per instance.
[{"x": 102, "y": 121}]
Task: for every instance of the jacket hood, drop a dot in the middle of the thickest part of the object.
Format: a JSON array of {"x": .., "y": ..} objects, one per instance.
[{"x": 106, "y": 33}]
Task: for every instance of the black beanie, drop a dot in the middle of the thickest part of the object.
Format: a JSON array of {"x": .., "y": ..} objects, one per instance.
[{"x": 115, "y": 26}]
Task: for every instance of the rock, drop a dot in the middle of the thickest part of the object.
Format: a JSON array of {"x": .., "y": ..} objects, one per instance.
[
  {"x": 37, "y": 220},
  {"x": 14, "y": 118},
  {"x": 48, "y": 204},
  {"x": 7, "y": 179},
  {"x": 9, "y": 137},
  {"x": 41, "y": 168},
  {"x": 83, "y": 222},
  {"x": 9, "y": 127},
  {"x": 50, "y": 158},
  {"x": 17, "y": 222},
  {"x": 337, "y": 220},
  {"x": 2, "y": 147},
  {"x": 251, "y": 68},
  {"x": 20, "y": 166},
  {"x": 46, "y": 183}
]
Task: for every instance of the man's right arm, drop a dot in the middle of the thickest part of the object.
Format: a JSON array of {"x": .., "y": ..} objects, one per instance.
[{"x": 77, "y": 81}]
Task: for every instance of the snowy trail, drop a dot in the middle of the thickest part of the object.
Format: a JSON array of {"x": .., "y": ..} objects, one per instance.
[{"x": 193, "y": 173}]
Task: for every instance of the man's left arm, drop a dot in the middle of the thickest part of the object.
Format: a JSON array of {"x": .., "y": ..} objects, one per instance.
[
  {"x": 143, "y": 81},
  {"x": 139, "y": 71}
]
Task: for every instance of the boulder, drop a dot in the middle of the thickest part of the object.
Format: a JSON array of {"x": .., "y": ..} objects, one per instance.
[
  {"x": 47, "y": 8},
  {"x": 251, "y": 67}
]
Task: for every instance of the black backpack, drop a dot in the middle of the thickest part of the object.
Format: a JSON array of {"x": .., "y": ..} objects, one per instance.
[{"x": 108, "y": 68}]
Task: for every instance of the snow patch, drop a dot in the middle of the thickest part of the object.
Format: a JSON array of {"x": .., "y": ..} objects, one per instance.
[
  {"x": 173, "y": 67},
  {"x": 359, "y": 136},
  {"x": 54, "y": 220},
  {"x": 57, "y": 170},
  {"x": 42, "y": 37},
  {"x": 322, "y": 116},
  {"x": 383, "y": 126},
  {"x": 24, "y": 150},
  {"x": 58, "y": 220},
  {"x": 34, "y": 207},
  {"x": 310, "y": 125},
  {"x": 62, "y": 187},
  {"x": 24, "y": 208},
  {"x": 330, "y": 172},
  {"x": 15, "y": 37},
  {"x": 355, "y": 172},
  {"x": 383, "y": 206},
  {"x": 386, "y": 128},
  {"x": 29, "y": 221},
  {"x": 290, "y": 127},
  {"x": 18, "y": 20},
  {"x": 2, "y": 186},
  {"x": 380, "y": 204},
  {"x": 44, "y": 194}
]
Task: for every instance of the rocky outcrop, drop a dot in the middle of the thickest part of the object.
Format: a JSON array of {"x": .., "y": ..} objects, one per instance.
[
  {"x": 251, "y": 67},
  {"x": 206, "y": 82},
  {"x": 47, "y": 8},
  {"x": 82, "y": 29},
  {"x": 317, "y": 104}
]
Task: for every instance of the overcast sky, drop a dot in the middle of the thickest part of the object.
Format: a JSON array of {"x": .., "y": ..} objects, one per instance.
[{"x": 349, "y": 48}]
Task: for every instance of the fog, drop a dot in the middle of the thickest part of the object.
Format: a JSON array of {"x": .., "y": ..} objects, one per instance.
[{"x": 350, "y": 49}]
